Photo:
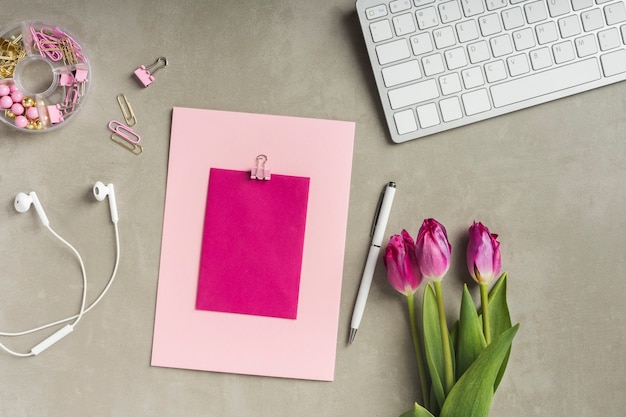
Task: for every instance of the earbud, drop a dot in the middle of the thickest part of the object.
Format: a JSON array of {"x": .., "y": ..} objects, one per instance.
[
  {"x": 101, "y": 191},
  {"x": 23, "y": 202}
]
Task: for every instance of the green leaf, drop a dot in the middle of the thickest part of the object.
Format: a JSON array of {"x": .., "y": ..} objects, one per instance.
[
  {"x": 500, "y": 318},
  {"x": 473, "y": 393},
  {"x": 471, "y": 340},
  {"x": 417, "y": 411},
  {"x": 432, "y": 343}
]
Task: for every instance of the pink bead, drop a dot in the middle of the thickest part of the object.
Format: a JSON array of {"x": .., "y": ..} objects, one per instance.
[
  {"x": 5, "y": 90},
  {"x": 17, "y": 96},
  {"x": 21, "y": 121},
  {"x": 32, "y": 113},
  {"x": 13, "y": 88},
  {"x": 6, "y": 102},
  {"x": 17, "y": 109}
]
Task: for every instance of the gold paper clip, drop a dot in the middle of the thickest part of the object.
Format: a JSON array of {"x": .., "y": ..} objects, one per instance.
[
  {"x": 260, "y": 172},
  {"x": 125, "y": 137},
  {"x": 127, "y": 110},
  {"x": 129, "y": 146}
]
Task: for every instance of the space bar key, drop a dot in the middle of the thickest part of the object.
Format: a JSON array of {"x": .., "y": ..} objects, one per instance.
[{"x": 546, "y": 82}]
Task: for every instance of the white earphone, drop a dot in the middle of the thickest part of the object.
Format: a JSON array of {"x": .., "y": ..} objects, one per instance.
[{"x": 22, "y": 204}]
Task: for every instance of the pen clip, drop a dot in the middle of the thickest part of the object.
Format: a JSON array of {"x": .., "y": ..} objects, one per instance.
[{"x": 378, "y": 206}]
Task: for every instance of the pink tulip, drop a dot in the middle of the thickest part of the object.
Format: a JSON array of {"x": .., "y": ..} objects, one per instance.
[
  {"x": 483, "y": 254},
  {"x": 399, "y": 259},
  {"x": 433, "y": 250}
]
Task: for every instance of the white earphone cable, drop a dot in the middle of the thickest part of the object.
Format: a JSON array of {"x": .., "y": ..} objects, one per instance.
[{"x": 83, "y": 310}]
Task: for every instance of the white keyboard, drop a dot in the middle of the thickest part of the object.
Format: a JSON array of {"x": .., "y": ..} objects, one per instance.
[{"x": 441, "y": 64}]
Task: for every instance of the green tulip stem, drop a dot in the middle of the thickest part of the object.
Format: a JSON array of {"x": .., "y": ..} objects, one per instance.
[
  {"x": 445, "y": 339},
  {"x": 484, "y": 299},
  {"x": 421, "y": 367}
]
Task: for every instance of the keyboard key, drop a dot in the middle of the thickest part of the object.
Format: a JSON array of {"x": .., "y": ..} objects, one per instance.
[
  {"x": 381, "y": 31},
  {"x": 449, "y": 11},
  {"x": 546, "y": 33},
  {"x": 392, "y": 51},
  {"x": 427, "y": 18},
  {"x": 478, "y": 52},
  {"x": 428, "y": 116},
  {"x": 496, "y": 4},
  {"x": 405, "y": 121},
  {"x": 563, "y": 52},
  {"x": 444, "y": 37},
  {"x": 401, "y": 73},
  {"x": 450, "y": 83},
  {"x": 501, "y": 45},
  {"x": 569, "y": 26},
  {"x": 472, "y": 7},
  {"x": 581, "y": 4},
  {"x": 609, "y": 39},
  {"x": 541, "y": 83},
  {"x": 397, "y": 6},
  {"x": 535, "y": 11},
  {"x": 524, "y": 39},
  {"x": 518, "y": 65},
  {"x": 404, "y": 24},
  {"x": 472, "y": 77},
  {"x": 433, "y": 64},
  {"x": 376, "y": 12},
  {"x": 615, "y": 13},
  {"x": 421, "y": 44},
  {"x": 476, "y": 102},
  {"x": 558, "y": 7},
  {"x": 413, "y": 94},
  {"x": 540, "y": 58},
  {"x": 613, "y": 63},
  {"x": 495, "y": 71},
  {"x": 467, "y": 31},
  {"x": 592, "y": 20},
  {"x": 450, "y": 109},
  {"x": 586, "y": 45},
  {"x": 455, "y": 58},
  {"x": 513, "y": 18},
  {"x": 490, "y": 24}
]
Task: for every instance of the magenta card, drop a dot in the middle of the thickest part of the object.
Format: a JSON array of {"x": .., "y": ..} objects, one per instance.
[{"x": 252, "y": 244}]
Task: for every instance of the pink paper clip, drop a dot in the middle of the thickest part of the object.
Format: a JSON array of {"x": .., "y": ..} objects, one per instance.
[
  {"x": 54, "y": 114},
  {"x": 125, "y": 132},
  {"x": 145, "y": 75},
  {"x": 260, "y": 172}
]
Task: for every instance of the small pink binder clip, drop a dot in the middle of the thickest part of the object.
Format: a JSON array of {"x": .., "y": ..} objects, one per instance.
[
  {"x": 54, "y": 114},
  {"x": 145, "y": 75},
  {"x": 260, "y": 172}
]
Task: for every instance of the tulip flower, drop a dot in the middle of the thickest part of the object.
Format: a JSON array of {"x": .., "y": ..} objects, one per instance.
[
  {"x": 483, "y": 254},
  {"x": 484, "y": 264},
  {"x": 399, "y": 259},
  {"x": 405, "y": 277},
  {"x": 433, "y": 250}
]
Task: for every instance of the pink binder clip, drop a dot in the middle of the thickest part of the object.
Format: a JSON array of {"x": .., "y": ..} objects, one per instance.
[
  {"x": 145, "y": 75},
  {"x": 260, "y": 172},
  {"x": 54, "y": 114}
]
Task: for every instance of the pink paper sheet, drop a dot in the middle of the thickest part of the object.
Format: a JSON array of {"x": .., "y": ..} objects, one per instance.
[
  {"x": 252, "y": 244},
  {"x": 187, "y": 338}
]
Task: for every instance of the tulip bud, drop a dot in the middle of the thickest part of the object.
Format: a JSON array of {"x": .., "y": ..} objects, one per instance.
[
  {"x": 432, "y": 250},
  {"x": 483, "y": 254},
  {"x": 399, "y": 259}
]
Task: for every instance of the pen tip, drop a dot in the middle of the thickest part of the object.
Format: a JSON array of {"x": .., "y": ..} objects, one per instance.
[{"x": 352, "y": 335}]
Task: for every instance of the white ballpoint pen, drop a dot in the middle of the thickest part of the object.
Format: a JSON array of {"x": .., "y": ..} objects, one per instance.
[{"x": 378, "y": 231}]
